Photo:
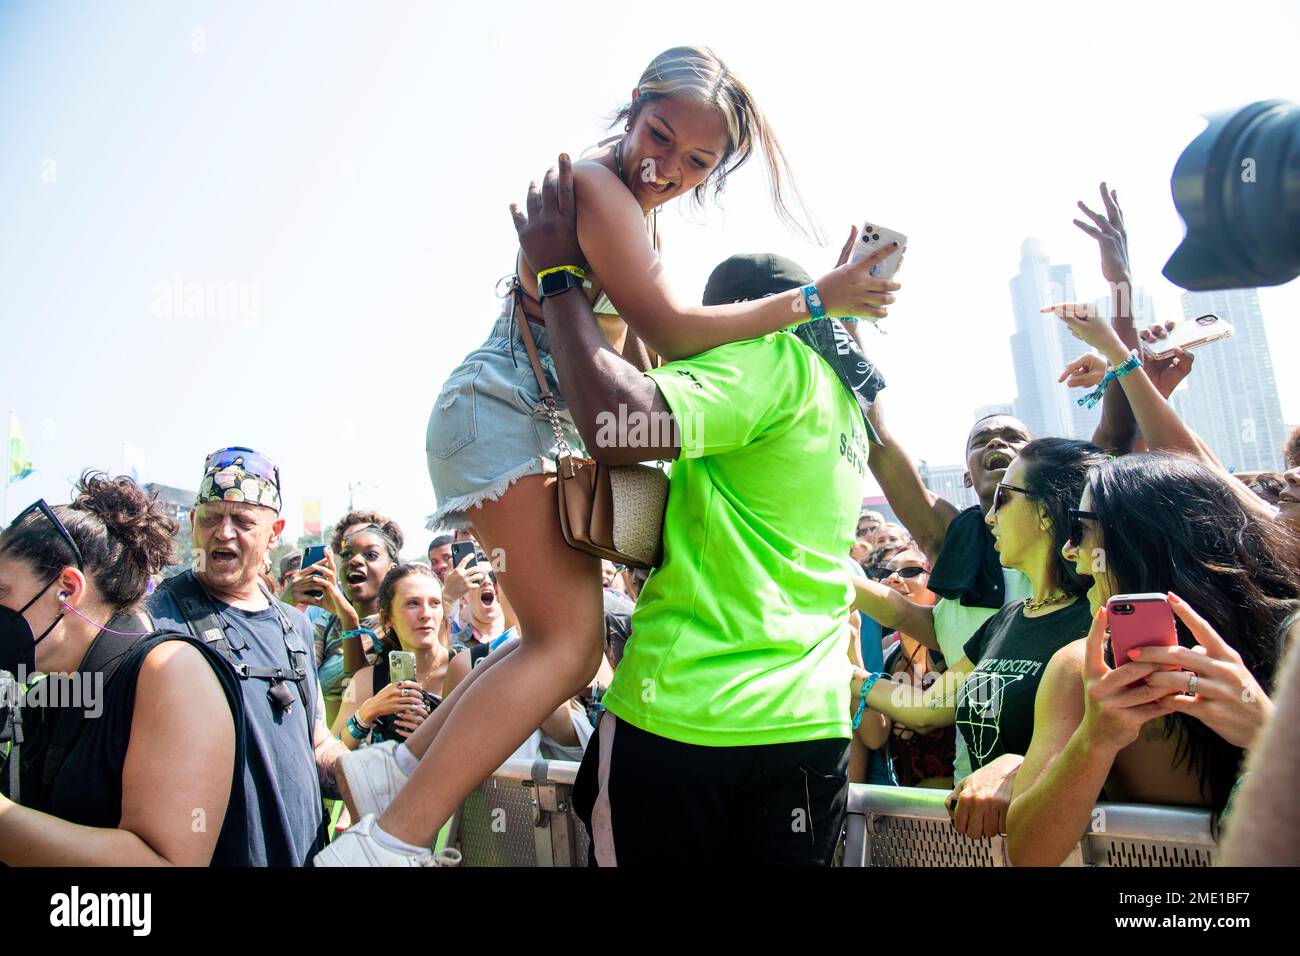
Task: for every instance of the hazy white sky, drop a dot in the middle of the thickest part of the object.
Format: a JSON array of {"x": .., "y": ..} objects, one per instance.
[{"x": 341, "y": 173}]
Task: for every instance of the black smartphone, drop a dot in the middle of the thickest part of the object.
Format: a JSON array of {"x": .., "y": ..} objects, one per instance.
[
  {"x": 314, "y": 554},
  {"x": 459, "y": 550}
]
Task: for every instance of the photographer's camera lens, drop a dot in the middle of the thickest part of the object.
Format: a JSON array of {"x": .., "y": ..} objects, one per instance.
[{"x": 1237, "y": 187}]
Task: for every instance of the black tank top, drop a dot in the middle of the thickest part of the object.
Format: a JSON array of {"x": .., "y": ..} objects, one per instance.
[{"x": 87, "y": 787}]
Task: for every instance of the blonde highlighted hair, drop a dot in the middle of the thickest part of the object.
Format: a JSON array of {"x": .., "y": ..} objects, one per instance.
[{"x": 699, "y": 72}]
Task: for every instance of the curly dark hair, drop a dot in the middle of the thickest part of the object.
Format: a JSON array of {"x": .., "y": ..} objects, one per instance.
[
  {"x": 383, "y": 522},
  {"x": 1168, "y": 523},
  {"x": 124, "y": 537}
]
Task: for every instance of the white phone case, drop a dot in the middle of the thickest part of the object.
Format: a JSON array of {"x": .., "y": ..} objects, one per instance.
[
  {"x": 1188, "y": 335},
  {"x": 871, "y": 237}
]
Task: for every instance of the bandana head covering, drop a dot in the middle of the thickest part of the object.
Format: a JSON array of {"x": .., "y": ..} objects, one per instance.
[{"x": 240, "y": 474}]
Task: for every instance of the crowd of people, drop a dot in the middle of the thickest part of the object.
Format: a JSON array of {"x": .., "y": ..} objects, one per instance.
[{"x": 787, "y": 644}]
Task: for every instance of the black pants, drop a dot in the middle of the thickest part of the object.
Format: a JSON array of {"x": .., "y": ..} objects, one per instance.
[{"x": 676, "y": 803}]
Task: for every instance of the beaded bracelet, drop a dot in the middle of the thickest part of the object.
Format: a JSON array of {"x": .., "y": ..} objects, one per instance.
[{"x": 357, "y": 729}]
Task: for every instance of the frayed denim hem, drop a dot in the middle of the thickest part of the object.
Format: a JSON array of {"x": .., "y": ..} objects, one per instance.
[{"x": 453, "y": 516}]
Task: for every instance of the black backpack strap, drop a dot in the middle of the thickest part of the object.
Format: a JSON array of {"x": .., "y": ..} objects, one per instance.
[
  {"x": 200, "y": 616},
  {"x": 104, "y": 656}
]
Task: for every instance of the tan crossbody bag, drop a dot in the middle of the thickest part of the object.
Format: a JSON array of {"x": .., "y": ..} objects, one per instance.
[{"x": 611, "y": 511}]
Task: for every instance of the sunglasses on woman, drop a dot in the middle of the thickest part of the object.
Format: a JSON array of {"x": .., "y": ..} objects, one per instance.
[
  {"x": 880, "y": 573},
  {"x": 1001, "y": 494},
  {"x": 40, "y": 506},
  {"x": 1076, "y": 526}
]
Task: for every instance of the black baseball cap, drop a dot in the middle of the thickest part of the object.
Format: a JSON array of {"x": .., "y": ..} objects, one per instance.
[{"x": 753, "y": 275}]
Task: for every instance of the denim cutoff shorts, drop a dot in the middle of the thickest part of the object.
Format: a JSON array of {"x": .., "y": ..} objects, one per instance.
[{"x": 489, "y": 427}]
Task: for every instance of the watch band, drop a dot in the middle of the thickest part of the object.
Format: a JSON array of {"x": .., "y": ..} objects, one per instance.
[{"x": 559, "y": 279}]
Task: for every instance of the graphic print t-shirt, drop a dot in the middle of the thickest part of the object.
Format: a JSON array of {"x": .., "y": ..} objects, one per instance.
[{"x": 995, "y": 706}]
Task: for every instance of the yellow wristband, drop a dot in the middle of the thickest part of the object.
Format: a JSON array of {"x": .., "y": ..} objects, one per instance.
[{"x": 572, "y": 269}]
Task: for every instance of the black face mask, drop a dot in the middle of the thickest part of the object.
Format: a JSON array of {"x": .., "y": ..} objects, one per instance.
[{"x": 17, "y": 646}]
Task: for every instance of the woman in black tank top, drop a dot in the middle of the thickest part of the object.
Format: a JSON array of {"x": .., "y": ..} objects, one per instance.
[{"x": 131, "y": 749}]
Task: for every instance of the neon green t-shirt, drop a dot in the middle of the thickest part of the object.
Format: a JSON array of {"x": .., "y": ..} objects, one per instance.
[{"x": 740, "y": 637}]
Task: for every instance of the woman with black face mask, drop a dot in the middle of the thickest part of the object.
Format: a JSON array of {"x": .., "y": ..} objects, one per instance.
[{"x": 129, "y": 753}]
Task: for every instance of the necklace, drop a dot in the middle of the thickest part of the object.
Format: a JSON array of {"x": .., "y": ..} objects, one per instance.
[{"x": 1056, "y": 598}]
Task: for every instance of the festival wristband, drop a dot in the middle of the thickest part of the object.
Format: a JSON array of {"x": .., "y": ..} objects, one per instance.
[
  {"x": 1130, "y": 364},
  {"x": 867, "y": 683},
  {"x": 814, "y": 300},
  {"x": 356, "y": 730}
]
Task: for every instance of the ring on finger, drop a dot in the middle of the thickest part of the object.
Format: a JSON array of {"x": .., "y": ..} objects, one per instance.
[{"x": 1193, "y": 680}]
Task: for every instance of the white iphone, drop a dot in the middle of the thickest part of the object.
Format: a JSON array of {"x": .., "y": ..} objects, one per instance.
[
  {"x": 870, "y": 238},
  {"x": 1189, "y": 335}
]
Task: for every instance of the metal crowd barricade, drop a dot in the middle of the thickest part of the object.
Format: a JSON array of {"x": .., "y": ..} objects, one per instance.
[
  {"x": 905, "y": 826},
  {"x": 523, "y": 816}
]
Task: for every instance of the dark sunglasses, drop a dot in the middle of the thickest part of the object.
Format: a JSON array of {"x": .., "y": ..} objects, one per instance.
[
  {"x": 880, "y": 572},
  {"x": 1001, "y": 496},
  {"x": 1076, "y": 525},
  {"x": 43, "y": 508},
  {"x": 251, "y": 461}
]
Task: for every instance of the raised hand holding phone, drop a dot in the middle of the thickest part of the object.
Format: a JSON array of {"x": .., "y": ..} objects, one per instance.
[
  {"x": 851, "y": 291},
  {"x": 1116, "y": 701},
  {"x": 1223, "y": 695}
]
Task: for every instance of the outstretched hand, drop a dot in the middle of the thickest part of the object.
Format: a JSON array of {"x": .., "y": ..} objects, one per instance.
[
  {"x": 1086, "y": 325},
  {"x": 548, "y": 235},
  {"x": 1084, "y": 372},
  {"x": 1111, "y": 237}
]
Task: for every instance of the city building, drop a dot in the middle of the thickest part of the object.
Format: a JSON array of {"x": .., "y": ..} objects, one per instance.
[
  {"x": 948, "y": 481},
  {"x": 1042, "y": 345},
  {"x": 1230, "y": 399}
]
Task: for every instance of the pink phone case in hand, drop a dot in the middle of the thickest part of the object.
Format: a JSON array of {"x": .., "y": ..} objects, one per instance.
[{"x": 1139, "y": 620}]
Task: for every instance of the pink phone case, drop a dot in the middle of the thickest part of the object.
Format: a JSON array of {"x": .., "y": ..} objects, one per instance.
[{"x": 1150, "y": 623}]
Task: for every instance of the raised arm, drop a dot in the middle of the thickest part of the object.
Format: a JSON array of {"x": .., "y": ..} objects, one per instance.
[
  {"x": 924, "y": 514},
  {"x": 596, "y": 377},
  {"x": 613, "y": 238},
  {"x": 1085, "y": 713}
]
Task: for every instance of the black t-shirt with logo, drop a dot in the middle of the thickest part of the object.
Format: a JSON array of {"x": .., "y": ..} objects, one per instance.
[{"x": 995, "y": 706}]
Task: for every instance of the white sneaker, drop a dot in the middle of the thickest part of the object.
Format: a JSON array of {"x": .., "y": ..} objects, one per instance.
[
  {"x": 358, "y": 847},
  {"x": 369, "y": 778}
]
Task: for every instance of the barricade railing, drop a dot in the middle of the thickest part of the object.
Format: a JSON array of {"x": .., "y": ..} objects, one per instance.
[
  {"x": 906, "y": 826},
  {"x": 523, "y": 816}
]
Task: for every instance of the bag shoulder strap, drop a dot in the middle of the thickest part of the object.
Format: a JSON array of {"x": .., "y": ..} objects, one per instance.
[
  {"x": 200, "y": 617},
  {"x": 106, "y": 655},
  {"x": 548, "y": 397}
]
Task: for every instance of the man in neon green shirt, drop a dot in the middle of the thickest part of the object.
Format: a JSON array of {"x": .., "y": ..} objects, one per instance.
[{"x": 728, "y": 721}]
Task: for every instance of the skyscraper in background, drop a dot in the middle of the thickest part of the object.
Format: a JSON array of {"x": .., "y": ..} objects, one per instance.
[
  {"x": 1042, "y": 344},
  {"x": 1036, "y": 345},
  {"x": 1230, "y": 399},
  {"x": 949, "y": 482}
]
